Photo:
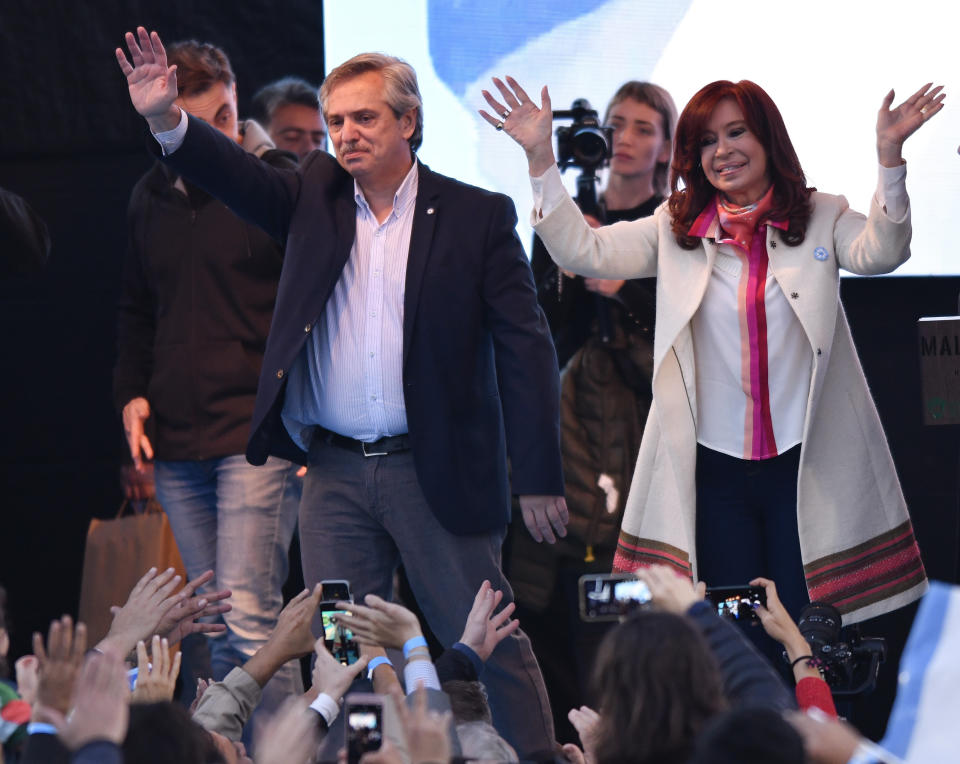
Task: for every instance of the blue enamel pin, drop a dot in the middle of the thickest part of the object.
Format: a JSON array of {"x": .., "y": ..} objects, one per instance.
[{"x": 820, "y": 253}]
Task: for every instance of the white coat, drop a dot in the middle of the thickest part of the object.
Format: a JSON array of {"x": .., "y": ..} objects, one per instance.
[{"x": 856, "y": 538}]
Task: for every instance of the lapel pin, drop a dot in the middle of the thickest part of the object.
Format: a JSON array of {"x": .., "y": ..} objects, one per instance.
[
  {"x": 430, "y": 210},
  {"x": 820, "y": 253}
]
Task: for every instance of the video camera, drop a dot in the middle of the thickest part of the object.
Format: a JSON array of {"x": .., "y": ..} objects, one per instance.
[
  {"x": 585, "y": 144},
  {"x": 849, "y": 667}
]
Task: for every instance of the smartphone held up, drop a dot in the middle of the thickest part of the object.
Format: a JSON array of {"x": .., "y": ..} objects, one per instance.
[{"x": 611, "y": 596}]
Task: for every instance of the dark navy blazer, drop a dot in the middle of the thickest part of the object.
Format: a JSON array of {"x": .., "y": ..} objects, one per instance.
[{"x": 479, "y": 368}]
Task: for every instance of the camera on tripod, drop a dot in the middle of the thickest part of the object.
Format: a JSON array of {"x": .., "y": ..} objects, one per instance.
[
  {"x": 585, "y": 144},
  {"x": 850, "y": 667}
]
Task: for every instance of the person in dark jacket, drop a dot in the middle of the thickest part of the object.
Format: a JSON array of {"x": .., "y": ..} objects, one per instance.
[
  {"x": 198, "y": 293},
  {"x": 407, "y": 357}
]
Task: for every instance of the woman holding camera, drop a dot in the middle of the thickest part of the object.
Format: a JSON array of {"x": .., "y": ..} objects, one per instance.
[{"x": 763, "y": 452}]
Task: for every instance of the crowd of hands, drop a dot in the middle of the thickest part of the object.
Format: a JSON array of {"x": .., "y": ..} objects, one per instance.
[{"x": 84, "y": 693}]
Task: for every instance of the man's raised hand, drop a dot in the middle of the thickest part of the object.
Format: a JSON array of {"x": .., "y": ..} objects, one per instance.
[{"x": 152, "y": 83}]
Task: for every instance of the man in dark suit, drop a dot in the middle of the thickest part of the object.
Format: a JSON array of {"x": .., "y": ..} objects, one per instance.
[{"x": 407, "y": 358}]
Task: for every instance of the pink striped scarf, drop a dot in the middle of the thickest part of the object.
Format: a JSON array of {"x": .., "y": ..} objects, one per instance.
[{"x": 738, "y": 227}]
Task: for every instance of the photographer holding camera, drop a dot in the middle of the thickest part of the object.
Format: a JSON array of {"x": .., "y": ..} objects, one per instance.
[{"x": 603, "y": 331}]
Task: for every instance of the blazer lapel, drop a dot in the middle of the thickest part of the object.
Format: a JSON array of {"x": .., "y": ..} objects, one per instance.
[{"x": 425, "y": 213}]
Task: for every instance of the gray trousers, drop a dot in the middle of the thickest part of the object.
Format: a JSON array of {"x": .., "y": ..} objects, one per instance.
[{"x": 362, "y": 516}]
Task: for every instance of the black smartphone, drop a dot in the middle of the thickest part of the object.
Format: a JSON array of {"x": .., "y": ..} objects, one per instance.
[
  {"x": 610, "y": 596},
  {"x": 364, "y": 718},
  {"x": 738, "y": 603},
  {"x": 337, "y": 637},
  {"x": 335, "y": 589}
]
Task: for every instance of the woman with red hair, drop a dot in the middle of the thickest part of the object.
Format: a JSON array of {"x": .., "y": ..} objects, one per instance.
[{"x": 763, "y": 454}]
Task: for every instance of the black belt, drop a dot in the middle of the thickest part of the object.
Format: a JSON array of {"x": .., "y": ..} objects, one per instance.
[{"x": 392, "y": 444}]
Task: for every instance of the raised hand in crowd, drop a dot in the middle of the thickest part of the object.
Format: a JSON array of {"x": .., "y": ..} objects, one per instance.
[
  {"x": 379, "y": 622},
  {"x": 154, "y": 608},
  {"x": 485, "y": 629},
  {"x": 101, "y": 709},
  {"x": 427, "y": 732},
  {"x": 584, "y": 721},
  {"x": 776, "y": 621},
  {"x": 59, "y": 664},
  {"x": 28, "y": 678},
  {"x": 156, "y": 674},
  {"x": 291, "y": 638},
  {"x": 290, "y": 737},
  {"x": 332, "y": 677},
  {"x": 151, "y": 82},
  {"x": 669, "y": 590},
  {"x": 183, "y": 618}
]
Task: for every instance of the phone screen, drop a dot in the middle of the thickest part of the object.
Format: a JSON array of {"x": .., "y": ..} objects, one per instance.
[
  {"x": 339, "y": 640},
  {"x": 737, "y": 603},
  {"x": 608, "y": 597},
  {"x": 364, "y": 729}
]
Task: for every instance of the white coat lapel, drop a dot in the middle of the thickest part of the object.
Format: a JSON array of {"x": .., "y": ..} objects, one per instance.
[{"x": 682, "y": 279}]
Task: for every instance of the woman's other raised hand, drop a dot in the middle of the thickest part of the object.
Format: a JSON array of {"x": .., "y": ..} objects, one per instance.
[{"x": 895, "y": 125}]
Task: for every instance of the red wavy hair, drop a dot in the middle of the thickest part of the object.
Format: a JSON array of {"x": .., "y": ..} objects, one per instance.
[{"x": 791, "y": 196}]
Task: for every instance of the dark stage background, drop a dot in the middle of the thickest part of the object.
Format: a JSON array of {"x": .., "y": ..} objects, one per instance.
[{"x": 71, "y": 145}]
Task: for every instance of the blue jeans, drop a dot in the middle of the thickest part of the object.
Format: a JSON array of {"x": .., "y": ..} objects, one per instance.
[
  {"x": 360, "y": 517},
  {"x": 237, "y": 520}
]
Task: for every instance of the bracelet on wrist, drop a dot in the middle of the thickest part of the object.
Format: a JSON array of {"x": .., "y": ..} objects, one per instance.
[
  {"x": 379, "y": 660},
  {"x": 811, "y": 661},
  {"x": 413, "y": 642}
]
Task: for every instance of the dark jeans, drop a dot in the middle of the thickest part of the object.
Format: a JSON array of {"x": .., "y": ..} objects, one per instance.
[
  {"x": 361, "y": 516},
  {"x": 747, "y": 527}
]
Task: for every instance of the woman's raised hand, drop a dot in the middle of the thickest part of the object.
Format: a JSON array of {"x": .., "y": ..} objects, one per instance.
[
  {"x": 520, "y": 118},
  {"x": 894, "y": 126}
]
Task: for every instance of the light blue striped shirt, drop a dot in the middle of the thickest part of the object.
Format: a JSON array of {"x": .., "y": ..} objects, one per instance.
[{"x": 348, "y": 378}]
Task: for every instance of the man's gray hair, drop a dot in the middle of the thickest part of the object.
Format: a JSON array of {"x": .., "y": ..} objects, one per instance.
[{"x": 401, "y": 91}]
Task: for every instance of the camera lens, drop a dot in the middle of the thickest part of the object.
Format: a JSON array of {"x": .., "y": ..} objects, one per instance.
[
  {"x": 820, "y": 623},
  {"x": 589, "y": 146}
]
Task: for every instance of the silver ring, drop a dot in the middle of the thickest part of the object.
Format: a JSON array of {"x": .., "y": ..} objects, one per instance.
[
  {"x": 499, "y": 126},
  {"x": 505, "y": 115}
]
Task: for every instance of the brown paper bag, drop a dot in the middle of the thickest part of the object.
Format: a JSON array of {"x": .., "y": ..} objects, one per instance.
[{"x": 118, "y": 552}]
